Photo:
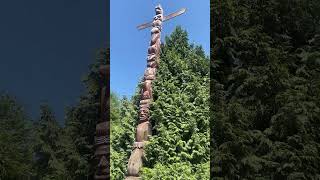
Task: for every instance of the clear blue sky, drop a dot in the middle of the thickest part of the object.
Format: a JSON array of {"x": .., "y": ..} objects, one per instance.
[
  {"x": 129, "y": 46},
  {"x": 46, "y": 47}
]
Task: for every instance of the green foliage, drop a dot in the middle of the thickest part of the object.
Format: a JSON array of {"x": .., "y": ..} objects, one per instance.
[
  {"x": 179, "y": 171},
  {"x": 179, "y": 113},
  {"x": 265, "y": 90},
  {"x": 48, "y": 163},
  {"x": 123, "y": 115},
  {"x": 43, "y": 150},
  {"x": 15, "y": 140}
]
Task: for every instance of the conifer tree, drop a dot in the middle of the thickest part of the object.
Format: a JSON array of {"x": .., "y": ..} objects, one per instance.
[
  {"x": 48, "y": 164},
  {"x": 123, "y": 115},
  {"x": 265, "y": 100},
  {"x": 179, "y": 147},
  {"x": 16, "y": 140},
  {"x": 44, "y": 150}
]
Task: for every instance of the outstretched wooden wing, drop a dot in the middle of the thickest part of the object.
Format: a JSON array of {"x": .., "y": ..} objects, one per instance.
[{"x": 170, "y": 16}]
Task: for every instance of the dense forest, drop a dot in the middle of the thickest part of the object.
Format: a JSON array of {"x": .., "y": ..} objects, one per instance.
[
  {"x": 265, "y": 89},
  {"x": 41, "y": 149},
  {"x": 179, "y": 147}
]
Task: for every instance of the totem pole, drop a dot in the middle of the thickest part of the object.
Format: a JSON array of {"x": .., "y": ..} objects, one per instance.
[
  {"x": 143, "y": 131},
  {"x": 102, "y": 140}
]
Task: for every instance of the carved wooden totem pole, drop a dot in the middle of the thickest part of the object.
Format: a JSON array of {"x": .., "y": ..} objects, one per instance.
[
  {"x": 102, "y": 140},
  {"x": 144, "y": 128}
]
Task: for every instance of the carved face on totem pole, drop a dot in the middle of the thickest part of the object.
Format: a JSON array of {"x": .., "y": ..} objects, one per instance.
[
  {"x": 158, "y": 17},
  {"x": 144, "y": 114}
]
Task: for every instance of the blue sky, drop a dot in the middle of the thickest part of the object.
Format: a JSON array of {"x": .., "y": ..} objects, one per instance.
[
  {"x": 46, "y": 47},
  {"x": 129, "y": 46}
]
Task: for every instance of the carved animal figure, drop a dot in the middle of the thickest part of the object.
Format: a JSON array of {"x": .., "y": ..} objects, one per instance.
[
  {"x": 151, "y": 57},
  {"x": 146, "y": 91},
  {"x": 149, "y": 73},
  {"x": 153, "y": 64},
  {"x": 155, "y": 40},
  {"x": 155, "y": 30},
  {"x": 153, "y": 49},
  {"x": 157, "y": 21}
]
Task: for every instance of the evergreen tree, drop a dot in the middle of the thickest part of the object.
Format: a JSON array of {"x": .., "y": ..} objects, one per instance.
[
  {"x": 123, "y": 116},
  {"x": 44, "y": 150},
  {"x": 15, "y": 140},
  {"x": 67, "y": 153},
  {"x": 179, "y": 113},
  {"x": 265, "y": 90},
  {"x": 48, "y": 164}
]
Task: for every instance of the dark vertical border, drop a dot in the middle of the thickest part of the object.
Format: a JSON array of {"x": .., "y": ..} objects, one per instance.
[
  {"x": 213, "y": 33},
  {"x": 102, "y": 136},
  {"x": 108, "y": 84}
]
